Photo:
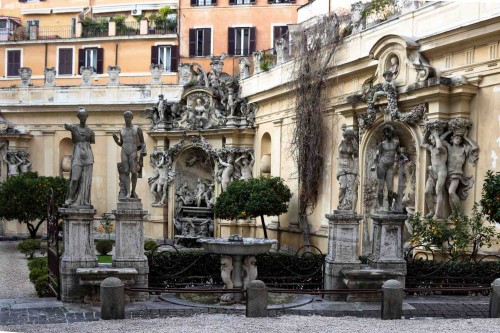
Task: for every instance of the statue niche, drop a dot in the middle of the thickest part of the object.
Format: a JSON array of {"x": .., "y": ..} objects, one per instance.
[
  {"x": 194, "y": 196},
  {"x": 403, "y": 196}
]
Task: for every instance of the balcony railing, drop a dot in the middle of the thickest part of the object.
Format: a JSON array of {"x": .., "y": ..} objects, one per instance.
[
  {"x": 95, "y": 29},
  {"x": 56, "y": 32},
  {"x": 128, "y": 29},
  {"x": 169, "y": 27}
]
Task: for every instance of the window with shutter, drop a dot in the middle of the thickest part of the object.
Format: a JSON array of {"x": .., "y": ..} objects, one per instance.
[
  {"x": 91, "y": 57},
  {"x": 241, "y": 41},
  {"x": 65, "y": 66},
  {"x": 203, "y": 2},
  {"x": 207, "y": 41},
  {"x": 280, "y": 1},
  {"x": 13, "y": 62},
  {"x": 174, "y": 61},
  {"x": 192, "y": 42}
]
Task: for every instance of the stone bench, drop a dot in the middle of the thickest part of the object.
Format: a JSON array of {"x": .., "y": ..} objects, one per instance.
[{"x": 91, "y": 278}]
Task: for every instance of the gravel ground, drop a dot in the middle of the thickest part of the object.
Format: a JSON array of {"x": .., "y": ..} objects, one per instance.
[
  {"x": 14, "y": 273},
  {"x": 240, "y": 324}
]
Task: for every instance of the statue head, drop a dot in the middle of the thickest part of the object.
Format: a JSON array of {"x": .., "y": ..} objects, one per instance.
[
  {"x": 456, "y": 139},
  {"x": 432, "y": 139},
  {"x": 160, "y": 96},
  {"x": 388, "y": 76},
  {"x": 12, "y": 158},
  {"x": 394, "y": 60},
  {"x": 348, "y": 134},
  {"x": 388, "y": 131},
  {"x": 82, "y": 114},
  {"x": 128, "y": 116},
  {"x": 50, "y": 75}
]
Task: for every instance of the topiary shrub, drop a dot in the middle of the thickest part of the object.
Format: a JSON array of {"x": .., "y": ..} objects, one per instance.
[
  {"x": 29, "y": 247},
  {"x": 42, "y": 286},
  {"x": 104, "y": 246},
  {"x": 37, "y": 262},
  {"x": 150, "y": 245},
  {"x": 36, "y": 272}
]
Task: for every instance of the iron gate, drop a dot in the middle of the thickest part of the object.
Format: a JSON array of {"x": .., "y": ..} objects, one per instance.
[{"x": 53, "y": 255}]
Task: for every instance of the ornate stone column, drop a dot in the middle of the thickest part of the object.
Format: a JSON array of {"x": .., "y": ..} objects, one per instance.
[
  {"x": 343, "y": 236},
  {"x": 129, "y": 245},
  {"x": 387, "y": 249},
  {"x": 79, "y": 250}
]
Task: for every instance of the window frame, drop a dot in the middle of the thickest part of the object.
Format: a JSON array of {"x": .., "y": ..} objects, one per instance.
[
  {"x": 7, "y": 50},
  {"x": 204, "y": 52},
  {"x": 73, "y": 59},
  {"x": 169, "y": 47},
  {"x": 238, "y": 32},
  {"x": 94, "y": 50}
]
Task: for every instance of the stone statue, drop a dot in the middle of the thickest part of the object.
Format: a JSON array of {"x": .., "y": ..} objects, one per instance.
[
  {"x": 86, "y": 76},
  {"x": 161, "y": 107},
  {"x": 226, "y": 267},
  {"x": 357, "y": 19},
  {"x": 26, "y": 165},
  {"x": 159, "y": 181},
  {"x": 183, "y": 197},
  {"x": 249, "y": 270},
  {"x": 230, "y": 102},
  {"x": 25, "y": 74},
  {"x": 434, "y": 186},
  {"x": 82, "y": 162},
  {"x": 384, "y": 165},
  {"x": 457, "y": 183},
  {"x": 211, "y": 196},
  {"x": 131, "y": 140},
  {"x": 257, "y": 55},
  {"x": 113, "y": 75},
  {"x": 201, "y": 192},
  {"x": 388, "y": 88},
  {"x": 244, "y": 65},
  {"x": 227, "y": 172},
  {"x": 50, "y": 77},
  {"x": 185, "y": 73},
  {"x": 347, "y": 171},
  {"x": 156, "y": 71},
  {"x": 13, "y": 163},
  {"x": 281, "y": 47},
  {"x": 245, "y": 164},
  {"x": 394, "y": 68}
]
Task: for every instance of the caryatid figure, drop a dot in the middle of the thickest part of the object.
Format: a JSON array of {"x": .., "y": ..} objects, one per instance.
[{"x": 131, "y": 139}]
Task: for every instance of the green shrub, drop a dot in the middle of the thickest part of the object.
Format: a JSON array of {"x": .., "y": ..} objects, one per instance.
[
  {"x": 490, "y": 197},
  {"x": 150, "y": 245},
  {"x": 37, "y": 262},
  {"x": 42, "y": 286},
  {"x": 104, "y": 246},
  {"x": 36, "y": 272},
  {"x": 29, "y": 247}
]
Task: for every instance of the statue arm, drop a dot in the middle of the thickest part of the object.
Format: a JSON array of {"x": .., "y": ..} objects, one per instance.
[
  {"x": 252, "y": 161},
  {"x": 118, "y": 138},
  {"x": 223, "y": 163},
  {"x": 439, "y": 143},
  {"x": 141, "y": 140},
  {"x": 92, "y": 137}
]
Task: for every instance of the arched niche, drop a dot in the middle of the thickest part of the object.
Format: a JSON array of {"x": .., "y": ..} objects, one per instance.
[
  {"x": 265, "y": 154},
  {"x": 408, "y": 139},
  {"x": 65, "y": 153},
  {"x": 193, "y": 189}
]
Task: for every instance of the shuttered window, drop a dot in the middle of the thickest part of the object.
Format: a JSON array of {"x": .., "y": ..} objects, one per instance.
[
  {"x": 167, "y": 56},
  {"x": 65, "y": 66},
  {"x": 280, "y": 1},
  {"x": 241, "y": 41},
  {"x": 203, "y": 2},
  {"x": 91, "y": 57},
  {"x": 13, "y": 62},
  {"x": 200, "y": 42}
]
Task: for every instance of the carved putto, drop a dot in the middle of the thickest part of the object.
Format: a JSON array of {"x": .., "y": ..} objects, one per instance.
[
  {"x": 113, "y": 75},
  {"x": 50, "y": 76},
  {"x": 17, "y": 161}
]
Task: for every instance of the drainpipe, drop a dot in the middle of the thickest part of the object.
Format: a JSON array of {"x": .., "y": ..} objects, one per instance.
[
  {"x": 46, "y": 48},
  {"x": 116, "y": 54}
]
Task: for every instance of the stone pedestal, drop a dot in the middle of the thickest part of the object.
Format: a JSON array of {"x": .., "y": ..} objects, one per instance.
[
  {"x": 343, "y": 235},
  {"x": 129, "y": 245},
  {"x": 79, "y": 250},
  {"x": 387, "y": 250}
]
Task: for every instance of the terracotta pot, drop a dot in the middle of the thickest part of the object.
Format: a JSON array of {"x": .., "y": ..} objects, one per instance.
[
  {"x": 265, "y": 163},
  {"x": 66, "y": 163}
]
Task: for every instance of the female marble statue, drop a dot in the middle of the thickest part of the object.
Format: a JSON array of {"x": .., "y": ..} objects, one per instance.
[
  {"x": 347, "y": 171},
  {"x": 246, "y": 163},
  {"x": 81, "y": 162}
]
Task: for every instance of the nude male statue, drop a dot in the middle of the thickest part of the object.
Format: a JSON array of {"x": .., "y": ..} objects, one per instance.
[
  {"x": 384, "y": 165},
  {"x": 437, "y": 176},
  {"x": 131, "y": 139}
]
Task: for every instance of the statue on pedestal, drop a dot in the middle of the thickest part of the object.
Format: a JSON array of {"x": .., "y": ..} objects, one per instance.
[
  {"x": 131, "y": 139},
  {"x": 347, "y": 171},
  {"x": 384, "y": 165},
  {"x": 82, "y": 162}
]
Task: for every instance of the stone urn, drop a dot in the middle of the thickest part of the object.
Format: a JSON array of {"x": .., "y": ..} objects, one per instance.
[
  {"x": 66, "y": 163},
  {"x": 265, "y": 163}
]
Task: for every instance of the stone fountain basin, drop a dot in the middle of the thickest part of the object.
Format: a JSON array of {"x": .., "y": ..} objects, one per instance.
[{"x": 249, "y": 246}]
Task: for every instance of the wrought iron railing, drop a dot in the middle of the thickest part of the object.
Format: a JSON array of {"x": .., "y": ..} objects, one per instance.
[
  {"x": 56, "y": 32},
  {"x": 95, "y": 29},
  {"x": 128, "y": 29},
  {"x": 168, "y": 27}
]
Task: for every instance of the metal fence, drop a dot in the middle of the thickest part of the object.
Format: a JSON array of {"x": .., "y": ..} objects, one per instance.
[
  {"x": 56, "y": 32},
  {"x": 128, "y": 29},
  {"x": 95, "y": 29}
]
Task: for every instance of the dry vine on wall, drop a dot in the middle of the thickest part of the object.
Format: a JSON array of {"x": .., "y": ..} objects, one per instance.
[{"x": 314, "y": 48}]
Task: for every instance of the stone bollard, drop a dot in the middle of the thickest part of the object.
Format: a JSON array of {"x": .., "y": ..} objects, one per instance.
[
  {"x": 256, "y": 299},
  {"x": 112, "y": 299},
  {"x": 392, "y": 300},
  {"x": 495, "y": 299}
]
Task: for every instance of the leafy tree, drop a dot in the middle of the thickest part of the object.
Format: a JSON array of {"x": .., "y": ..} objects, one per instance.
[
  {"x": 253, "y": 198},
  {"x": 490, "y": 198},
  {"x": 24, "y": 198}
]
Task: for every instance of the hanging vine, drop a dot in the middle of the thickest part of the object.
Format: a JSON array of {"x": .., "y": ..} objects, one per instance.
[{"x": 314, "y": 48}]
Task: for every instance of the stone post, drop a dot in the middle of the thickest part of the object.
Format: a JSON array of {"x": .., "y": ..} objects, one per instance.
[
  {"x": 112, "y": 299},
  {"x": 144, "y": 26},
  {"x": 343, "y": 235},
  {"x": 387, "y": 247},
  {"x": 256, "y": 299},
  {"x": 495, "y": 299},
  {"x": 79, "y": 30},
  {"x": 392, "y": 300},
  {"x": 111, "y": 28},
  {"x": 79, "y": 250},
  {"x": 129, "y": 245}
]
